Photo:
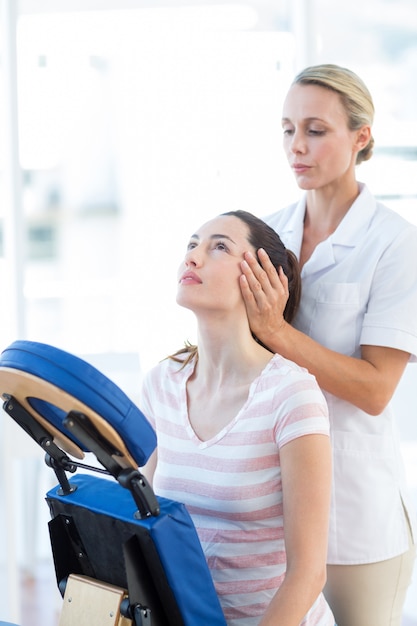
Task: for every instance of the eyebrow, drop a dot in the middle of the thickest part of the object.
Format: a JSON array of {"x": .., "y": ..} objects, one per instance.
[
  {"x": 307, "y": 119},
  {"x": 215, "y": 236}
]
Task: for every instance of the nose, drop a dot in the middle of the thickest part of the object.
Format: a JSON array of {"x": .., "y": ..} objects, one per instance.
[
  {"x": 297, "y": 142},
  {"x": 192, "y": 257}
]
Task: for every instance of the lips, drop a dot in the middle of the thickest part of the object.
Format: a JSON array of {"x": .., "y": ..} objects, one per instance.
[
  {"x": 300, "y": 167},
  {"x": 189, "y": 278}
]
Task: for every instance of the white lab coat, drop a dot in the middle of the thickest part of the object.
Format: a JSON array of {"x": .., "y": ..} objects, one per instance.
[{"x": 360, "y": 287}]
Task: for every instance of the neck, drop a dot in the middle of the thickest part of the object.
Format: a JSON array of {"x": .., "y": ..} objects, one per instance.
[
  {"x": 228, "y": 354},
  {"x": 327, "y": 206}
]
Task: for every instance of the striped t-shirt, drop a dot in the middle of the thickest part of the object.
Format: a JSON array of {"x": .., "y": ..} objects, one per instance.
[{"x": 231, "y": 484}]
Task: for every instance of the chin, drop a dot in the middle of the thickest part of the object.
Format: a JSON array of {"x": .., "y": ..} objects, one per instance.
[
  {"x": 181, "y": 300},
  {"x": 305, "y": 185}
]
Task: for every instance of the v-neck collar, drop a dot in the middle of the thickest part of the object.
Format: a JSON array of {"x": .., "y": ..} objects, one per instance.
[{"x": 188, "y": 370}]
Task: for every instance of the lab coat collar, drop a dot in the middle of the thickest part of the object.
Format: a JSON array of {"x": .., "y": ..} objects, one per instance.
[{"x": 348, "y": 233}]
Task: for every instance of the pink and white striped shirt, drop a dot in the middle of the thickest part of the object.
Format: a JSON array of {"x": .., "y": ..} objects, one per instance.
[{"x": 231, "y": 484}]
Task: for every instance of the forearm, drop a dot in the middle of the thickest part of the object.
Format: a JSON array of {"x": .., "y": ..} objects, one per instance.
[
  {"x": 355, "y": 380},
  {"x": 297, "y": 594}
]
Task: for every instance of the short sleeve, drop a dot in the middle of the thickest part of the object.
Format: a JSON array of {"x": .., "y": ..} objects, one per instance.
[
  {"x": 391, "y": 317},
  {"x": 302, "y": 410}
]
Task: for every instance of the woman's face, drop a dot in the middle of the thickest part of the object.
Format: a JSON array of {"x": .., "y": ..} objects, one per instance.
[
  {"x": 208, "y": 277},
  {"x": 320, "y": 147}
]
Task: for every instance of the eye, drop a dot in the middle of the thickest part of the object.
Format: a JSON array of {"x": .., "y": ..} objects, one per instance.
[
  {"x": 220, "y": 245},
  {"x": 316, "y": 132},
  {"x": 288, "y": 131},
  {"x": 191, "y": 245}
]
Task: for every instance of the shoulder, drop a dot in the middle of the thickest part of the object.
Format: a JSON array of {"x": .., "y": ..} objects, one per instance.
[
  {"x": 382, "y": 221},
  {"x": 280, "y": 219},
  {"x": 166, "y": 370},
  {"x": 390, "y": 219},
  {"x": 279, "y": 365},
  {"x": 395, "y": 238},
  {"x": 284, "y": 377},
  {"x": 296, "y": 400}
]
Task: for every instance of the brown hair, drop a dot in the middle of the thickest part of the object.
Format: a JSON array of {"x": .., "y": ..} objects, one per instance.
[
  {"x": 263, "y": 236},
  {"x": 354, "y": 94}
]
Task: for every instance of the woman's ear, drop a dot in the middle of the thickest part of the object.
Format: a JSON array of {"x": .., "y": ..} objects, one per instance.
[{"x": 363, "y": 137}]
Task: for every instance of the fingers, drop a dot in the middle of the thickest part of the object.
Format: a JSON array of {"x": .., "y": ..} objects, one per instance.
[
  {"x": 284, "y": 280},
  {"x": 254, "y": 290},
  {"x": 264, "y": 277},
  {"x": 268, "y": 267},
  {"x": 247, "y": 293},
  {"x": 265, "y": 274},
  {"x": 265, "y": 293}
]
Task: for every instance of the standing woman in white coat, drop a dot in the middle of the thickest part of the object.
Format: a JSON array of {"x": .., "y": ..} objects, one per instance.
[{"x": 356, "y": 330}]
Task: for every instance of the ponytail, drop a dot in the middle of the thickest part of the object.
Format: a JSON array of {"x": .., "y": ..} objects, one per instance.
[{"x": 292, "y": 271}]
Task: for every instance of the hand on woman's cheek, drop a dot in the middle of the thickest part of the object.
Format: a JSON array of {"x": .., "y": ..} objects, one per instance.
[{"x": 265, "y": 292}]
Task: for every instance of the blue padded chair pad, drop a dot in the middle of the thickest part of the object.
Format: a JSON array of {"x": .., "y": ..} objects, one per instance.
[
  {"x": 172, "y": 533},
  {"x": 50, "y": 383}
]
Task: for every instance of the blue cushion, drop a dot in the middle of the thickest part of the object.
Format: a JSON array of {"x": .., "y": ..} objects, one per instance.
[
  {"x": 84, "y": 382},
  {"x": 173, "y": 535}
]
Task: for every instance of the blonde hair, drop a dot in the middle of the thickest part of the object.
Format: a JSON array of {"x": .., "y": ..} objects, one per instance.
[{"x": 354, "y": 94}]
